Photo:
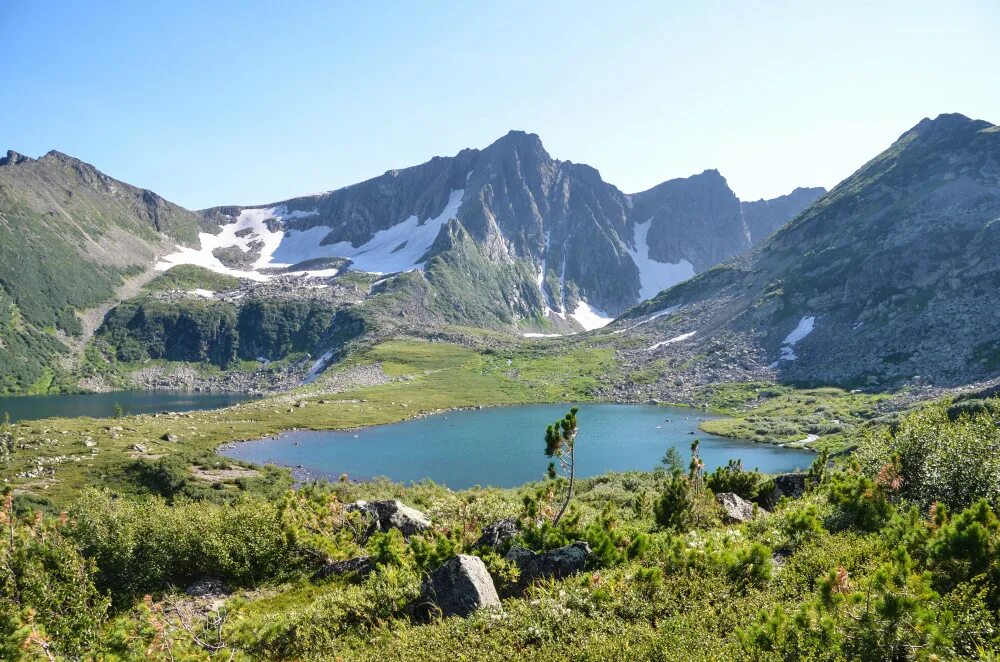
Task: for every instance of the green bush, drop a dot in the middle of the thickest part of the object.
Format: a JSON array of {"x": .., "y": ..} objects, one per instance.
[
  {"x": 49, "y": 604},
  {"x": 144, "y": 545}
]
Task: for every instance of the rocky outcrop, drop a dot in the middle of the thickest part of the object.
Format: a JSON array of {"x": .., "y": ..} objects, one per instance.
[
  {"x": 735, "y": 508},
  {"x": 461, "y": 586},
  {"x": 763, "y": 217},
  {"x": 360, "y": 565},
  {"x": 498, "y": 534},
  {"x": 392, "y": 514},
  {"x": 558, "y": 563}
]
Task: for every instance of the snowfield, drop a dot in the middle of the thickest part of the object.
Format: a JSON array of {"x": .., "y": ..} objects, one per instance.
[
  {"x": 398, "y": 248},
  {"x": 590, "y": 317},
  {"x": 803, "y": 329},
  {"x": 654, "y": 277},
  {"x": 683, "y": 336}
]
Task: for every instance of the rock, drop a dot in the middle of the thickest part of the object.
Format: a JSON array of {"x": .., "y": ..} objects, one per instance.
[
  {"x": 139, "y": 447},
  {"x": 498, "y": 533},
  {"x": 207, "y": 586},
  {"x": 791, "y": 485},
  {"x": 391, "y": 514},
  {"x": 461, "y": 586},
  {"x": 362, "y": 565},
  {"x": 558, "y": 563},
  {"x": 169, "y": 436},
  {"x": 736, "y": 508}
]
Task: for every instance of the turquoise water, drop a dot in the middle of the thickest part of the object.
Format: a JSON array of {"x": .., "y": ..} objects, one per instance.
[
  {"x": 100, "y": 405},
  {"x": 504, "y": 446}
]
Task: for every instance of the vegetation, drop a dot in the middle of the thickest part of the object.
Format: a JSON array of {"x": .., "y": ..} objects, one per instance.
[
  {"x": 560, "y": 443},
  {"x": 872, "y": 563}
]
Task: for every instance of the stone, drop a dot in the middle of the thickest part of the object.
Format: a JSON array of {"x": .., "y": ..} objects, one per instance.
[
  {"x": 557, "y": 564},
  {"x": 391, "y": 514},
  {"x": 791, "y": 485},
  {"x": 736, "y": 509},
  {"x": 169, "y": 436},
  {"x": 139, "y": 448},
  {"x": 362, "y": 565},
  {"x": 498, "y": 533},
  {"x": 461, "y": 586},
  {"x": 207, "y": 587}
]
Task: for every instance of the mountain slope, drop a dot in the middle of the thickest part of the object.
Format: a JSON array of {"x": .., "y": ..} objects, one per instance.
[
  {"x": 892, "y": 275},
  {"x": 587, "y": 250},
  {"x": 69, "y": 235}
]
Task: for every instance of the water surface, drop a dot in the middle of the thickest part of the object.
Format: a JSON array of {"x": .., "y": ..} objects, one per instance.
[
  {"x": 100, "y": 405},
  {"x": 504, "y": 446}
]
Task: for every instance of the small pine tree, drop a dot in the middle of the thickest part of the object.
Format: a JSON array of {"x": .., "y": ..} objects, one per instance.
[
  {"x": 672, "y": 460},
  {"x": 6, "y": 419},
  {"x": 560, "y": 443},
  {"x": 118, "y": 410}
]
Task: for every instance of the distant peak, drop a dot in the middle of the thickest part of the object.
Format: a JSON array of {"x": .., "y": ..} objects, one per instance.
[
  {"x": 947, "y": 123},
  {"x": 14, "y": 158},
  {"x": 516, "y": 138}
]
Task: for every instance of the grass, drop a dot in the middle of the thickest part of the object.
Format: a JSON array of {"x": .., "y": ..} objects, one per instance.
[
  {"x": 53, "y": 459},
  {"x": 774, "y": 413}
]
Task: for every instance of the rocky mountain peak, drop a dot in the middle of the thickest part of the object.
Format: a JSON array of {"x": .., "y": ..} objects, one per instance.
[{"x": 14, "y": 158}]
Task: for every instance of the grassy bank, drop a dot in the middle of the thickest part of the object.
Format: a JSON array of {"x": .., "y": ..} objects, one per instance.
[{"x": 54, "y": 458}]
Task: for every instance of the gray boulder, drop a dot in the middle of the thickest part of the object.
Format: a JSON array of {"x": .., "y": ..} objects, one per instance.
[
  {"x": 361, "y": 565},
  {"x": 558, "y": 563},
  {"x": 735, "y": 508},
  {"x": 390, "y": 514},
  {"x": 461, "y": 586},
  {"x": 498, "y": 533}
]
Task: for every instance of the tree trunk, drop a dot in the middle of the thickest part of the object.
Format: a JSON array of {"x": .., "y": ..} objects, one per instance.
[{"x": 569, "y": 492}]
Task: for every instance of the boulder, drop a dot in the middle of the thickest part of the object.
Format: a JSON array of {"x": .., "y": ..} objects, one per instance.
[
  {"x": 558, "y": 563},
  {"x": 461, "y": 586},
  {"x": 791, "y": 485},
  {"x": 735, "y": 508},
  {"x": 498, "y": 533},
  {"x": 362, "y": 565},
  {"x": 168, "y": 436},
  {"x": 207, "y": 587},
  {"x": 390, "y": 514}
]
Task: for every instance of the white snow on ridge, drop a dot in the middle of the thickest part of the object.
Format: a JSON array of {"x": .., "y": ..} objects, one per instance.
[
  {"x": 804, "y": 328},
  {"x": 541, "y": 335},
  {"x": 398, "y": 248},
  {"x": 661, "y": 313},
  {"x": 654, "y": 277},
  {"x": 683, "y": 336},
  {"x": 590, "y": 317}
]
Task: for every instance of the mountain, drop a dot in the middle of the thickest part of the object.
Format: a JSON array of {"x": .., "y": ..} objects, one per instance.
[
  {"x": 504, "y": 237},
  {"x": 571, "y": 250},
  {"x": 69, "y": 238},
  {"x": 891, "y": 276},
  {"x": 765, "y": 216}
]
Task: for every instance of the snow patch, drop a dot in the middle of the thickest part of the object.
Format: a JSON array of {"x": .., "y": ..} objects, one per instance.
[
  {"x": 318, "y": 367},
  {"x": 661, "y": 313},
  {"x": 542, "y": 335},
  {"x": 205, "y": 294},
  {"x": 398, "y": 248},
  {"x": 683, "y": 336},
  {"x": 654, "y": 276},
  {"x": 590, "y": 317},
  {"x": 804, "y": 328}
]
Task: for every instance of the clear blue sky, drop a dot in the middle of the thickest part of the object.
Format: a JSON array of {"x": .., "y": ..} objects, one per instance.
[{"x": 228, "y": 102}]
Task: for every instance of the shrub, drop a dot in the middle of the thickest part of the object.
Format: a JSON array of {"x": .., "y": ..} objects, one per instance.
[
  {"x": 733, "y": 478},
  {"x": 49, "y": 605},
  {"x": 858, "y": 502},
  {"x": 142, "y": 545}
]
